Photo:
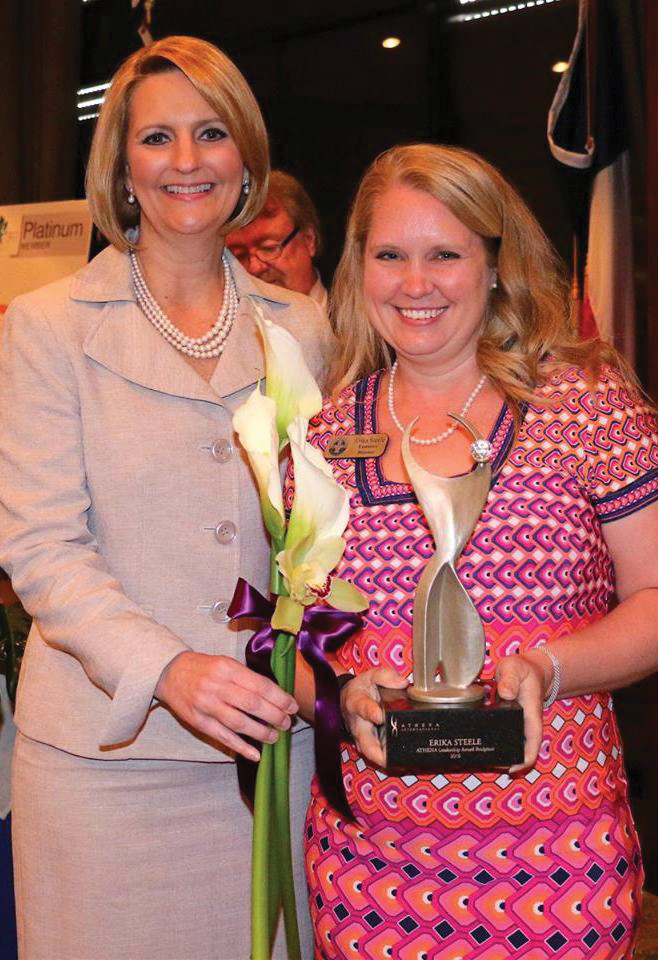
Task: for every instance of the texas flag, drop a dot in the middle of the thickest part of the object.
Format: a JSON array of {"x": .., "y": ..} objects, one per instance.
[{"x": 588, "y": 132}]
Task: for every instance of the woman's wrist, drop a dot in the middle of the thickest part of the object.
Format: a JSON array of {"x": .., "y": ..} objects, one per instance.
[
  {"x": 548, "y": 662},
  {"x": 551, "y": 695}
]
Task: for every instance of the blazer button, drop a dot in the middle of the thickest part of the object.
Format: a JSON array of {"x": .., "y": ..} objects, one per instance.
[
  {"x": 225, "y": 531},
  {"x": 222, "y": 451},
  {"x": 219, "y": 611}
]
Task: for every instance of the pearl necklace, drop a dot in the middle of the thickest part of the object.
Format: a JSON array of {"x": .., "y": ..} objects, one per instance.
[
  {"x": 440, "y": 436},
  {"x": 212, "y": 343}
]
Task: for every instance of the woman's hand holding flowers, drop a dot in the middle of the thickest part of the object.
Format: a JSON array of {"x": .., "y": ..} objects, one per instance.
[{"x": 225, "y": 700}]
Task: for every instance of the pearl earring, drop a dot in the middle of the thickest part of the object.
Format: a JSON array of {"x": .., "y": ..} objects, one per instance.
[
  {"x": 246, "y": 186},
  {"x": 494, "y": 281},
  {"x": 132, "y": 199}
]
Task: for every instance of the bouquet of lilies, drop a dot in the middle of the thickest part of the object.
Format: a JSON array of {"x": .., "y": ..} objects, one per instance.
[{"x": 313, "y": 611}]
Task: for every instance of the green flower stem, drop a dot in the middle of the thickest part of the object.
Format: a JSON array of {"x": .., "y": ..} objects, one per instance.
[
  {"x": 272, "y": 882},
  {"x": 274, "y": 888},
  {"x": 261, "y": 930},
  {"x": 283, "y": 667},
  {"x": 277, "y": 584}
]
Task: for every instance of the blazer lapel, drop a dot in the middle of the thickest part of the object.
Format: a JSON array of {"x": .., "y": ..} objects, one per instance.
[
  {"x": 243, "y": 360},
  {"x": 126, "y": 343}
]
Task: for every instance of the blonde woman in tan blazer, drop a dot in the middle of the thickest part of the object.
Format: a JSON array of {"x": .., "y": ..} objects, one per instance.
[{"x": 127, "y": 514}]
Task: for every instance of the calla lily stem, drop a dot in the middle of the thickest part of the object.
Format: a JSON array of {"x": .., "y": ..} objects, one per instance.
[
  {"x": 261, "y": 925},
  {"x": 272, "y": 881},
  {"x": 283, "y": 667}
]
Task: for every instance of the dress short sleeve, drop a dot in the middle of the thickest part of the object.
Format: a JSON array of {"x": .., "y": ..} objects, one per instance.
[{"x": 624, "y": 449}]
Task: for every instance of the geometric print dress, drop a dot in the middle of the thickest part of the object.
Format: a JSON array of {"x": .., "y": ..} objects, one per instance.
[{"x": 539, "y": 865}]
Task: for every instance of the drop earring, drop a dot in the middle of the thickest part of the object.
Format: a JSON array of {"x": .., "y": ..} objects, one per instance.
[
  {"x": 246, "y": 185},
  {"x": 132, "y": 199},
  {"x": 494, "y": 280}
]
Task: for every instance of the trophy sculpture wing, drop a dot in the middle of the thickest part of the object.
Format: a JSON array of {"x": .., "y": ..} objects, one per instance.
[{"x": 448, "y": 636}]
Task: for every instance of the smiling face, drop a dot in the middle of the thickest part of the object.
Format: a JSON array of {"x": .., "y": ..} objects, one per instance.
[
  {"x": 182, "y": 163},
  {"x": 425, "y": 279}
]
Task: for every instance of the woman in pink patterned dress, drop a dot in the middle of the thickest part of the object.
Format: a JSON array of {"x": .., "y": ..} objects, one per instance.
[{"x": 447, "y": 271}]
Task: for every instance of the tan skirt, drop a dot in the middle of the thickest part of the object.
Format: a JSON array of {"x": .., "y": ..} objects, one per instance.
[{"x": 137, "y": 859}]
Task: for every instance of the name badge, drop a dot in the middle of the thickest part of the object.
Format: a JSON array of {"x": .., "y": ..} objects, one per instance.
[{"x": 354, "y": 446}]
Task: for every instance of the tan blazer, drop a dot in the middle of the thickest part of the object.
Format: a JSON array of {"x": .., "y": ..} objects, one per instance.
[{"x": 127, "y": 511}]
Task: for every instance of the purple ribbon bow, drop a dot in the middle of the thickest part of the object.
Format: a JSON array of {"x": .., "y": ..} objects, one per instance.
[{"x": 323, "y": 631}]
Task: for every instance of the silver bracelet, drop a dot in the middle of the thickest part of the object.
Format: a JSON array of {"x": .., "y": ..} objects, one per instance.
[{"x": 554, "y": 688}]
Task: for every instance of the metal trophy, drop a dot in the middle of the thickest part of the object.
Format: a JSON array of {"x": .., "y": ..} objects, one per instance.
[{"x": 441, "y": 722}]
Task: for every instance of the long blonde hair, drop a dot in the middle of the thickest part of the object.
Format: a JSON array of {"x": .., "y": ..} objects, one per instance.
[
  {"x": 220, "y": 83},
  {"x": 530, "y": 328}
]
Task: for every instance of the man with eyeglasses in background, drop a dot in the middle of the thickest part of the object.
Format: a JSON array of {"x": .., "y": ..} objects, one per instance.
[{"x": 280, "y": 245}]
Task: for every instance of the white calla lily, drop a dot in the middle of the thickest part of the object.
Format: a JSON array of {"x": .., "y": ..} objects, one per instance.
[
  {"x": 314, "y": 544},
  {"x": 321, "y": 507},
  {"x": 289, "y": 381},
  {"x": 255, "y": 424}
]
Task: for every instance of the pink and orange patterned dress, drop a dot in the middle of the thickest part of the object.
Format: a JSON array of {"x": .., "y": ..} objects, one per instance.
[{"x": 484, "y": 865}]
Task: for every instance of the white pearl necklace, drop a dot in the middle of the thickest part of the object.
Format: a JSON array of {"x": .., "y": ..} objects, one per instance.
[
  {"x": 212, "y": 343},
  {"x": 440, "y": 436}
]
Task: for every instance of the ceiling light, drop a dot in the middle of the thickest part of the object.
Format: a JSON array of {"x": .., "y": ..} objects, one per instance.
[
  {"x": 95, "y": 89},
  {"x": 94, "y": 102},
  {"x": 391, "y": 42},
  {"x": 497, "y": 11}
]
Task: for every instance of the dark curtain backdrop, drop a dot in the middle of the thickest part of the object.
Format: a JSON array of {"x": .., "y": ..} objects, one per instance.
[{"x": 39, "y": 66}]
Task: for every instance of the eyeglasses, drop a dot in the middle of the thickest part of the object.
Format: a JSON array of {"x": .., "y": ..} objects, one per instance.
[{"x": 266, "y": 252}]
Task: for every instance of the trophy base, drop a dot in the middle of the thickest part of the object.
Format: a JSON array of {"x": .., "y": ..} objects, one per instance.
[
  {"x": 444, "y": 694},
  {"x": 450, "y": 736}
]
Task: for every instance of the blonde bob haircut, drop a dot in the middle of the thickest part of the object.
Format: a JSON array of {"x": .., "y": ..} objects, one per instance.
[
  {"x": 220, "y": 83},
  {"x": 529, "y": 326}
]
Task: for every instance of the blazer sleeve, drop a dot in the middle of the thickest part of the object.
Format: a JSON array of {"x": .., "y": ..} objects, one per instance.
[
  {"x": 322, "y": 348},
  {"x": 46, "y": 544}
]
